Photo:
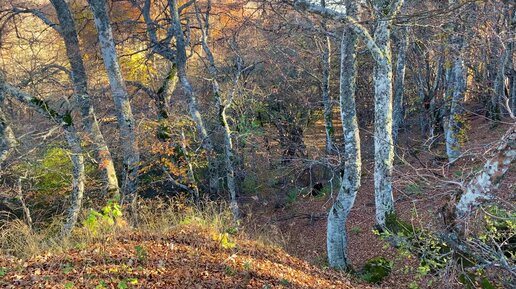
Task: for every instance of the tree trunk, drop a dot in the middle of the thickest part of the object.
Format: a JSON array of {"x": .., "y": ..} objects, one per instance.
[
  {"x": 192, "y": 99},
  {"x": 455, "y": 121},
  {"x": 80, "y": 83},
  {"x": 7, "y": 138},
  {"x": 164, "y": 95},
  {"x": 126, "y": 122},
  {"x": 456, "y": 89},
  {"x": 399, "y": 85},
  {"x": 74, "y": 144},
  {"x": 336, "y": 241},
  {"x": 326, "y": 98},
  {"x": 383, "y": 145},
  {"x": 477, "y": 190}
]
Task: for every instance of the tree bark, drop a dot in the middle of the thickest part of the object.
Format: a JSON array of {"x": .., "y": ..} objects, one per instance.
[
  {"x": 336, "y": 241},
  {"x": 325, "y": 88},
  {"x": 399, "y": 85},
  {"x": 74, "y": 144},
  {"x": 456, "y": 89},
  {"x": 80, "y": 82},
  {"x": 223, "y": 105},
  {"x": 7, "y": 138},
  {"x": 181, "y": 60},
  {"x": 380, "y": 48},
  {"x": 383, "y": 145},
  {"x": 455, "y": 122},
  {"x": 478, "y": 189},
  {"x": 126, "y": 122}
]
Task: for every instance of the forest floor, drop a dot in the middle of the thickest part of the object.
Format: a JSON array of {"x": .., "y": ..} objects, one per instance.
[
  {"x": 187, "y": 256},
  {"x": 420, "y": 190}
]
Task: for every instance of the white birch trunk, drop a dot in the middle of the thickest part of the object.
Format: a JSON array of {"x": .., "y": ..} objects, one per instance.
[{"x": 126, "y": 122}]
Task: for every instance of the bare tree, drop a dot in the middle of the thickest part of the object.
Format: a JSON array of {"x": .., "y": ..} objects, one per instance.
[{"x": 126, "y": 122}]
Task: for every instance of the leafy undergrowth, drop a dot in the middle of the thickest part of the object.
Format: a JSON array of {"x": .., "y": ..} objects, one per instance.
[{"x": 186, "y": 256}]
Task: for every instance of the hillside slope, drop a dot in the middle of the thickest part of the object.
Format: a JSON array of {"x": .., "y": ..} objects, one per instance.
[{"x": 185, "y": 257}]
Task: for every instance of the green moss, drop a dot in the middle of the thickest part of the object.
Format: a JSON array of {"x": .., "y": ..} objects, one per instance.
[
  {"x": 67, "y": 118},
  {"x": 376, "y": 269}
]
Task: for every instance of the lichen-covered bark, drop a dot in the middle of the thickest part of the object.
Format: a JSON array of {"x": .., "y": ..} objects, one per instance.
[
  {"x": 336, "y": 241},
  {"x": 399, "y": 85},
  {"x": 383, "y": 145},
  {"x": 455, "y": 122},
  {"x": 455, "y": 95},
  {"x": 126, "y": 122},
  {"x": 73, "y": 141},
  {"x": 80, "y": 82},
  {"x": 479, "y": 188}
]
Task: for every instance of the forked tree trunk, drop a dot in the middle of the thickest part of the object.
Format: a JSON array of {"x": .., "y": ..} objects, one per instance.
[
  {"x": 181, "y": 60},
  {"x": 126, "y": 122},
  {"x": 380, "y": 48},
  {"x": 80, "y": 82},
  {"x": 336, "y": 241}
]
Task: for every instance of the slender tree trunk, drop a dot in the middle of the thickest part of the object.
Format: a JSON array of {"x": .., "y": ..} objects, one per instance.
[
  {"x": 126, "y": 122},
  {"x": 76, "y": 197},
  {"x": 191, "y": 174},
  {"x": 80, "y": 82},
  {"x": 399, "y": 85},
  {"x": 498, "y": 97},
  {"x": 325, "y": 88},
  {"x": 457, "y": 89},
  {"x": 336, "y": 242},
  {"x": 26, "y": 212},
  {"x": 228, "y": 159},
  {"x": 190, "y": 94},
  {"x": 223, "y": 105},
  {"x": 455, "y": 122},
  {"x": 74, "y": 144},
  {"x": 383, "y": 145}
]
